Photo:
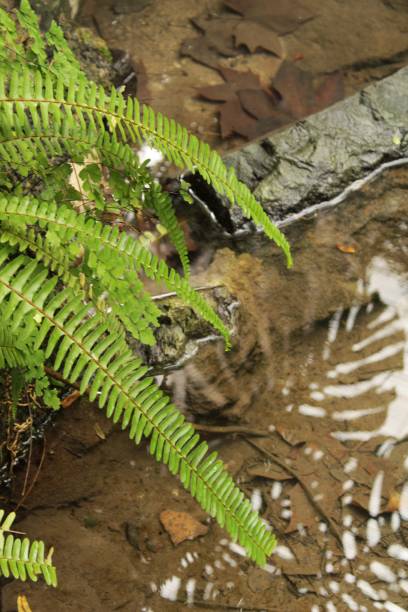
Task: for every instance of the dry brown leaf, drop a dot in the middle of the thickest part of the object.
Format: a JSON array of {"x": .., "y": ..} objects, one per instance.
[
  {"x": 346, "y": 248},
  {"x": 279, "y": 15},
  {"x": 256, "y": 36},
  {"x": 181, "y": 526},
  {"x": 268, "y": 471},
  {"x": 68, "y": 400},
  {"x": 302, "y": 510}
]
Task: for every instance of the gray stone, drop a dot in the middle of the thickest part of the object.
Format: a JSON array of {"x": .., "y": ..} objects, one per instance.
[{"x": 317, "y": 158}]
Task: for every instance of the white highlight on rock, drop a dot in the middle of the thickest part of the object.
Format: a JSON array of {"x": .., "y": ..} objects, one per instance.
[
  {"x": 352, "y": 415},
  {"x": 237, "y": 549},
  {"x": 350, "y": 465},
  {"x": 395, "y": 521},
  {"x": 368, "y": 590},
  {"x": 351, "y": 317},
  {"x": 208, "y": 569},
  {"x": 190, "y": 590},
  {"x": 384, "y": 353},
  {"x": 403, "y": 506},
  {"x": 347, "y": 485},
  {"x": 207, "y": 590},
  {"x": 229, "y": 560},
  {"x": 397, "y": 551},
  {"x": 383, "y": 572},
  {"x": 392, "y": 607},
  {"x": 382, "y": 333},
  {"x": 169, "y": 589},
  {"x": 317, "y": 396},
  {"x": 330, "y": 607},
  {"x": 374, "y": 503},
  {"x": 313, "y": 411},
  {"x": 349, "y": 545},
  {"x": 347, "y": 520},
  {"x": 284, "y": 553},
  {"x": 350, "y": 578},
  {"x": 256, "y": 500},
  {"x": 373, "y": 532},
  {"x": 276, "y": 489},
  {"x": 350, "y": 602},
  {"x": 334, "y": 586}
]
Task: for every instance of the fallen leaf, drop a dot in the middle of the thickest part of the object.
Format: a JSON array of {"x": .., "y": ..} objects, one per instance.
[
  {"x": 279, "y": 15},
  {"x": 346, "y": 248},
  {"x": 257, "y": 103},
  {"x": 298, "y": 91},
  {"x": 295, "y": 86},
  {"x": 269, "y": 471},
  {"x": 234, "y": 120},
  {"x": 255, "y": 36},
  {"x": 331, "y": 90},
  {"x": 199, "y": 51},
  {"x": 22, "y": 604},
  {"x": 393, "y": 504},
  {"x": 181, "y": 526},
  {"x": 68, "y": 400},
  {"x": 302, "y": 510},
  {"x": 217, "y": 38}
]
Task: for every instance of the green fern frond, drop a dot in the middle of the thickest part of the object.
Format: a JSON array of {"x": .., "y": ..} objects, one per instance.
[
  {"x": 21, "y": 558},
  {"x": 48, "y": 101},
  {"x": 86, "y": 350},
  {"x": 12, "y": 352},
  {"x": 162, "y": 205},
  {"x": 119, "y": 253}
]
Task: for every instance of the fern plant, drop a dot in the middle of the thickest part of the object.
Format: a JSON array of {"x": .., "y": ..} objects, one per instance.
[
  {"x": 71, "y": 284},
  {"x": 22, "y": 559}
]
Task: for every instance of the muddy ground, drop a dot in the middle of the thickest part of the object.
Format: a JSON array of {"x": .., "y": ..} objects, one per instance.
[{"x": 318, "y": 371}]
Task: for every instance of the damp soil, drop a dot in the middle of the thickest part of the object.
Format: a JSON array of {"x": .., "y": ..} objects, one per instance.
[{"x": 309, "y": 412}]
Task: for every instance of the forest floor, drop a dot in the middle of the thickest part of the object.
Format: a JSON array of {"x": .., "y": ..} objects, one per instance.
[{"x": 321, "y": 378}]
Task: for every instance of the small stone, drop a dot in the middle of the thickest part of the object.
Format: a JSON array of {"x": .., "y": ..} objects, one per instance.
[
  {"x": 132, "y": 535},
  {"x": 181, "y": 526}
]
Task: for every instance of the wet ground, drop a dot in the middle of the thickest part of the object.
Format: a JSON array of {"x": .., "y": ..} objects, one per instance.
[
  {"x": 309, "y": 410},
  {"x": 310, "y": 415}
]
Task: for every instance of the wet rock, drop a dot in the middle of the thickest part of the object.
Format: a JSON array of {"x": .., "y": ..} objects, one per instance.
[
  {"x": 316, "y": 159},
  {"x": 181, "y": 526}
]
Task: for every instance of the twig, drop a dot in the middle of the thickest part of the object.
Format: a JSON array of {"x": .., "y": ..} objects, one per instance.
[
  {"x": 308, "y": 492},
  {"x": 163, "y": 296},
  {"x": 221, "y": 606},
  {"x": 34, "y": 480},
  {"x": 231, "y": 429}
]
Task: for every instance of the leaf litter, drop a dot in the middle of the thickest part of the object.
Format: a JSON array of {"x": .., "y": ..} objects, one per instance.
[{"x": 248, "y": 107}]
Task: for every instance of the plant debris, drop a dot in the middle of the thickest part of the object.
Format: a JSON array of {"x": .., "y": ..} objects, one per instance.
[{"x": 181, "y": 526}]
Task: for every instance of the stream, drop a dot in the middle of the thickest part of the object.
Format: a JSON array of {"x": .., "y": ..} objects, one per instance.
[{"x": 310, "y": 411}]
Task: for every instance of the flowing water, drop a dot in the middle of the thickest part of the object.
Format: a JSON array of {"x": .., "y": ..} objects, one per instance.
[{"x": 310, "y": 411}]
